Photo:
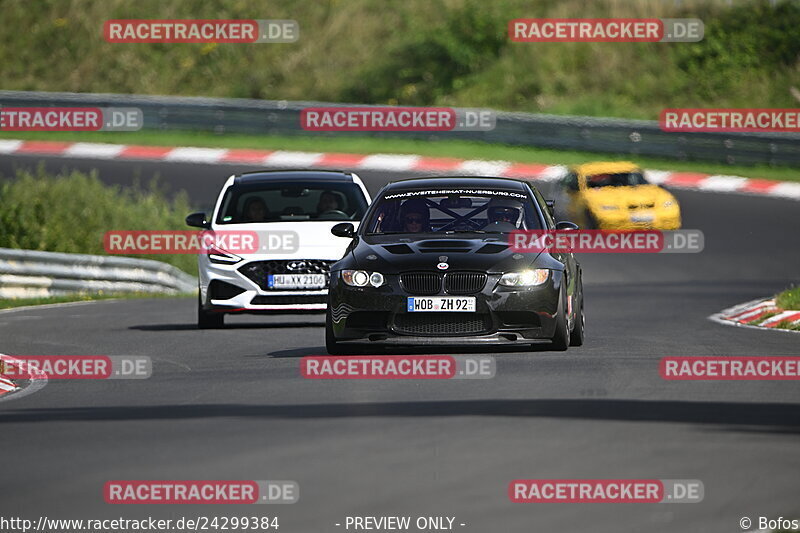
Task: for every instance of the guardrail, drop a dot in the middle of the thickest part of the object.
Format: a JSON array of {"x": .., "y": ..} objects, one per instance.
[
  {"x": 34, "y": 274},
  {"x": 604, "y": 135}
]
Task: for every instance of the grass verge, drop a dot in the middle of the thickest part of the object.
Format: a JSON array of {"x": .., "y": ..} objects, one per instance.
[
  {"x": 70, "y": 212},
  {"x": 24, "y": 302},
  {"x": 789, "y": 299},
  {"x": 369, "y": 145}
]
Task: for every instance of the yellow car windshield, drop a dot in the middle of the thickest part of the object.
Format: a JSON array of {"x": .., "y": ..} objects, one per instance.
[{"x": 623, "y": 179}]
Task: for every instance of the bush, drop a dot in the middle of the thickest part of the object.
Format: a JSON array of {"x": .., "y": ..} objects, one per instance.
[
  {"x": 417, "y": 52},
  {"x": 71, "y": 213},
  {"x": 789, "y": 299}
]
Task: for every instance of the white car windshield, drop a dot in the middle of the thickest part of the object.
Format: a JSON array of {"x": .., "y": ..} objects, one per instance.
[{"x": 291, "y": 201}]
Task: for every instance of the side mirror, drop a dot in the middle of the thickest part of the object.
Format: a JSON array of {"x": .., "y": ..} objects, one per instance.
[
  {"x": 198, "y": 220},
  {"x": 566, "y": 225},
  {"x": 345, "y": 229}
]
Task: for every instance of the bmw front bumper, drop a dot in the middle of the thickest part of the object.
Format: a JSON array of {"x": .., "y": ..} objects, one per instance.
[{"x": 503, "y": 315}]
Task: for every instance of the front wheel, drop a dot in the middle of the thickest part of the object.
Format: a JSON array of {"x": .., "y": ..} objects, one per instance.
[
  {"x": 331, "y": 344},
  {"x": 577, "y": 333},
  {"x": 561, "y": 337},
  {"x": 206, "y": 320}
]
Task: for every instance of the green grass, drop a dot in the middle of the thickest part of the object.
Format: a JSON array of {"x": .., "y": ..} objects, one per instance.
[
  {"x": 368, "y": 145},
  {"x": 71, "y": 212},
  {"x": 416, "y": 52},
  {"x": 763, "y": 319},
  {"x": 789, "y": 299},
  {"x": 23, "y": 302}
]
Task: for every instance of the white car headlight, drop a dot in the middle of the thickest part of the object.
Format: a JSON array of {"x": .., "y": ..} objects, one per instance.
[
  {"x": 362, "y": 278},
  {"x": 609, "y": 207},
  {"x": 526, "y": 278},
  {"x": 221, "y": 257},
  {"x": 669, "y": 203}
]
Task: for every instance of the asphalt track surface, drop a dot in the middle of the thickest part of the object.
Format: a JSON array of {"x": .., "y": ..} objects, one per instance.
[{"x": 231, "y": 404}]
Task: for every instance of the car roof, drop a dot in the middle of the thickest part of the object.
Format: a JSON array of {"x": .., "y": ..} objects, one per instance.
[
  {"x": 266, "y": 176},
  {"x": 441, "y": 182},
  {"x": 606, "y": 167}
]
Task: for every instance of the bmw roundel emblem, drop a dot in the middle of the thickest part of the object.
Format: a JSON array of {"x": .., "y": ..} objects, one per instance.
[{"x": 442, "y": 266}]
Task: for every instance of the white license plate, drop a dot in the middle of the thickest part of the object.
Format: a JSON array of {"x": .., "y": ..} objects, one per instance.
[
  {"x": 642, "y": 218},
  {"x": 449, "y": 304},
  {"x": 296, "y": 281}
]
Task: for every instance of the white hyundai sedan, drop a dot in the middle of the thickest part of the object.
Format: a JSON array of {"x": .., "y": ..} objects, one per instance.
[{"x": 290, "y": 213}]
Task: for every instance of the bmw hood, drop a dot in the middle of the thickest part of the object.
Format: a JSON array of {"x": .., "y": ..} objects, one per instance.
[{"x": 393, "y": 254}]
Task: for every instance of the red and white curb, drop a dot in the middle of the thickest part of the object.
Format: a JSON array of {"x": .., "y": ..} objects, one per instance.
[
  {"x": 37, "y": 380},
  {"x": 6, "y": 385},
  {"x": 745, "y": 314},
  {"x": 382, "y": 162}
]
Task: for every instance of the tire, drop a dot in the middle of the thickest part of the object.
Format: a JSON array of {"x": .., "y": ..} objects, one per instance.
[
  {"x": 206, "y": 320},
  {"x": 332, "y": 346},
  {"x": 561, "y": 340},
  {"x": 578, "y": 330},
  {"x": 335, "y": 347}
]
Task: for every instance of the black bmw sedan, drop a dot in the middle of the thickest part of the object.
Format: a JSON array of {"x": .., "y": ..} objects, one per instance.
[{"x": 431, "y": 264}]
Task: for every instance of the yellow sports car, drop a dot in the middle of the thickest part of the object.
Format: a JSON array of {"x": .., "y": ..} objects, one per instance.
[{"x": 617, "y": 196}]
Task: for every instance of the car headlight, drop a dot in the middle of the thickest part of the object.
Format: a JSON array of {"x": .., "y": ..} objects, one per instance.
[
  {"x": 362, "y": 278},
  {"x": 221, "y": 257},
  {"x": 609, "y": 207},
  {"x": 669, "y": 203},
  {"x": 526, "y": 278}
]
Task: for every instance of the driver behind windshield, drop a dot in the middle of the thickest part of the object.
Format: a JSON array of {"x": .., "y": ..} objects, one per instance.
[
  {"x": 255, "y": 210},
  {"x": 503, "y": 214},
  {"x": 328, "y": 201},
  {"x": 415, "y": 216}
]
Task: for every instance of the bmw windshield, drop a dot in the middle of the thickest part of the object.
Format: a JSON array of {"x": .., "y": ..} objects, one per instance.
[{"x": 452, "y": 211}]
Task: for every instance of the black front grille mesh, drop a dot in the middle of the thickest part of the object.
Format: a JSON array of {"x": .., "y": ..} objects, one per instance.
[
  {"x": 219, "y": 290},
  {"x": 430, "y": 283},
  {"x": 464, "y": 282},
  {"x": 289, "y": 299},
  {"x": 257, "y": 271},
  {"x": 421, "y": 282},
  {"x": 441, "y": 324}
]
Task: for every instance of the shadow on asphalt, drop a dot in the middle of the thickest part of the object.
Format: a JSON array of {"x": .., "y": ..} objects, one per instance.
[
  {"x": 749, "y": 417},
  {"x": 246, "y": 325},
  {"x": 485, "y": 349}
]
